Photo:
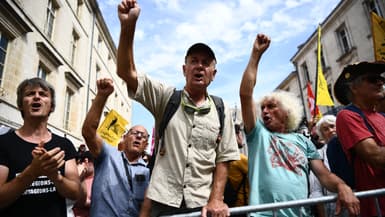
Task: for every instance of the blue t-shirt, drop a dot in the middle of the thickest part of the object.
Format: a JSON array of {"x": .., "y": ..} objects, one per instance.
[
  {"x": 278, "y": 168},
  {"x": 112, "y": 195}
]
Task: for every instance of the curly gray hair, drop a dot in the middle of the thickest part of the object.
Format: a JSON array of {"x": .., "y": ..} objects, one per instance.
[{"x": 290, "y": 103}]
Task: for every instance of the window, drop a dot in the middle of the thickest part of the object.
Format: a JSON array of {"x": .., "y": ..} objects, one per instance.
[
  {"x": 97, "y": 69},
  {"x": 343, "y": 39},
  {"x": 3, "y": 53},
  {"x": 48, "y": 60},
  {"x": 51, "y": 13},
  {"x": 67, "y": 110},
  {"x": 99, "y": 45},
  {"x": 97, "y": 74},
  {"x": 330, "y": 109},
  {"x": 373, "y": 5},
  {"x": 323, "y": 63},
  {"x": 330, "y": 89},
  {"x": 71, "y": 100},
  {"x": 305, "y": 72},
  {"x": 42, "y": 72},
  {"x": 79, "y": 4},
  {"x": 74, "y": 44}
]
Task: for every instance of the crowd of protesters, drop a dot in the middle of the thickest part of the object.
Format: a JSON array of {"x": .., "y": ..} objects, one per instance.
[{"x": 198, "y": 149}]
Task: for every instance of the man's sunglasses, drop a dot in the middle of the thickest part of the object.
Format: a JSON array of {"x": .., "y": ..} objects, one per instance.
[
  {"x": 373, "y": 79},
  {"x": 190, "y": 109}
]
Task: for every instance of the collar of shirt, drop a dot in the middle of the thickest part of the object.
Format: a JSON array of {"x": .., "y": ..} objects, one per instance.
[
  {"x": 140, "y": 161},
  {"x": 187, "y": 99}
]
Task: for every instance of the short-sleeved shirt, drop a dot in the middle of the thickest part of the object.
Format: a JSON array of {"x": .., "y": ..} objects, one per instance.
[
  {"x": 351, "y": 129},
  {"x": 278, "y": 168},
  {"x": 41, "y": 198},
  {"x": 112, "y": 195},
  {"x": 185, "y": 171},
  {"x": 316, "y": 190}
]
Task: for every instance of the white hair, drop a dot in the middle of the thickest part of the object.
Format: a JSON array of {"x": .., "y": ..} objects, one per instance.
[
  {"x": 328, "y": 119},
  {"x": 290, "y": 103}
]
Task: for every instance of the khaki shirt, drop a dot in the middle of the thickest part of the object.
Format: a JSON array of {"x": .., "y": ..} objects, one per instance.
[{"x": 185, "y": 171}]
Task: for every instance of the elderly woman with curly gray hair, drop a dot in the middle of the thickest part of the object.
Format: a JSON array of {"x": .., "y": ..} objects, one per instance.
[{"x": 280, "y": 159}]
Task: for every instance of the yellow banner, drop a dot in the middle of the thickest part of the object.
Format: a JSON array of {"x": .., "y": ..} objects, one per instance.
[
  {"x": 378, "y": 32},
  {"x": 112, "y": 128},
  {"x": 323, "y": 96}
]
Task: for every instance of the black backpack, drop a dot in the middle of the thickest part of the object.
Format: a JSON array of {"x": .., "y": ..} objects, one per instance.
[
  {"x": 172, "y": 106},
  {"x": 338, "y": 161}
]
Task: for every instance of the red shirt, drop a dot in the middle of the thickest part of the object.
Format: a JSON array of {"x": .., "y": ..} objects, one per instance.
[{"x": 352, "y": 129}]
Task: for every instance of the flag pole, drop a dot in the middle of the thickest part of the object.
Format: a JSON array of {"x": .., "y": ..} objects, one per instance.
[{"x": 316, "y": 73}]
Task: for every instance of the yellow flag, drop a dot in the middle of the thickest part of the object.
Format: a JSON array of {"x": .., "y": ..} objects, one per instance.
[
  {"x": 112, "y": 128},
  {"x": 378, "y": 32},
  {"x": 323, "y": 96}
]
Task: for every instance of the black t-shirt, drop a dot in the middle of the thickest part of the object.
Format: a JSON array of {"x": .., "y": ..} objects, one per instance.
[{"x": 40, "y": 199}]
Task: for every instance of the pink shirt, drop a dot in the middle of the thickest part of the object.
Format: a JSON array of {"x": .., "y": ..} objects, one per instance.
[{"x": 84, "y": 211}]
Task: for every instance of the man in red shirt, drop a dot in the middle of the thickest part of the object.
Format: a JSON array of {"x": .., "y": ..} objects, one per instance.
[{"x": 363, "y": 135}]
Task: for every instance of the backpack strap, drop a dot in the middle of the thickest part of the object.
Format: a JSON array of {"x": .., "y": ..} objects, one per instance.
[
  {"x": 355, "y": 109},
  {"x": 221, "y": 115},
  {"x": 172, "y": 106}
]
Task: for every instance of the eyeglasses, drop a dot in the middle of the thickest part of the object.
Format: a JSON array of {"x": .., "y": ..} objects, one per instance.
[
  {"x": 143, "y": 135},
  {"x": 190, "y": 109},
  {"x": 373, "y": 79}
]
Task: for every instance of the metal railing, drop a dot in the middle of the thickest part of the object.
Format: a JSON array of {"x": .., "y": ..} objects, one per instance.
[{"x": 274, "y": 207}]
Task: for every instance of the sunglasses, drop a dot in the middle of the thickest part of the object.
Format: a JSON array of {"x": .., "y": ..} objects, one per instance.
[
  {"x": 373, "y": 79},
  {"x": 190, "y": 109}
]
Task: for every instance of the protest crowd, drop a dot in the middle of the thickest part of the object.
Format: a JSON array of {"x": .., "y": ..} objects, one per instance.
[{"x": 199, "y": 161}]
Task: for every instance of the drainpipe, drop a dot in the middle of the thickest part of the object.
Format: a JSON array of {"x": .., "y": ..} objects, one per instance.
[
  {"x": 90, "y": 62},
  {"x": 300, "y": 88}
]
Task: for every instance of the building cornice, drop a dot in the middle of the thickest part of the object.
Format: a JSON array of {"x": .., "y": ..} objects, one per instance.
[{"x": 13, "y": 23}]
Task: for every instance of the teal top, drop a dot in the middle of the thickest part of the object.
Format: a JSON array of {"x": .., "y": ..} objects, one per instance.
[{"x": 278, "y": 168}]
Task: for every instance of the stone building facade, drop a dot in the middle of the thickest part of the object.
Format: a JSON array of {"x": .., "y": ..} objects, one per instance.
[
  {"x": 346, "y": 38},
  {"x": 65, "y": 42}
]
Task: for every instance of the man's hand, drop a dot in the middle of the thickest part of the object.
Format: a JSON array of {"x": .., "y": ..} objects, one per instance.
[
  {"x": 38, "y": 150},
  {"x": 128, "y": 11},
  {"x": 347, "y": 199},
  {"x": 47, "y": 162},
  {"x": 85, "y": 169},
  {"x": 105, "y": 86},
  {"x": 261, "y": 43},
  {"x": 216, "y": 208}
]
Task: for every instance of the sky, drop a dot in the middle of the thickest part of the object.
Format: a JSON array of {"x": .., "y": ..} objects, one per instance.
[{"x": 167, "y": 28}]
